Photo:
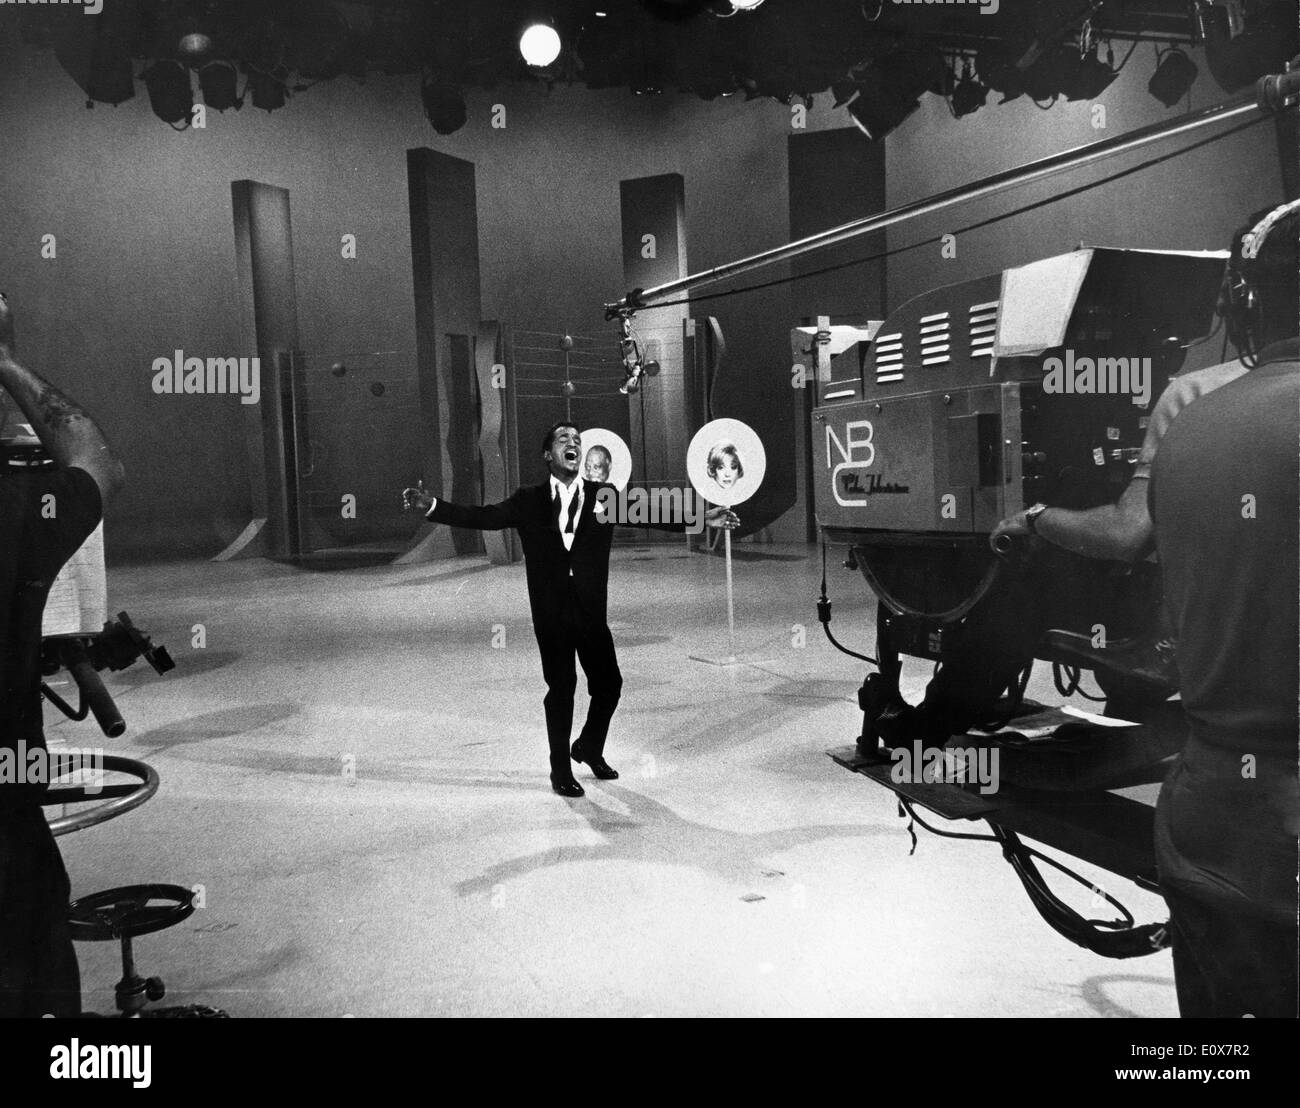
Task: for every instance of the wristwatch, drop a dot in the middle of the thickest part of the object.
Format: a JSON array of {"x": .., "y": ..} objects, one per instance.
[{"x": 1032, "y": 514}]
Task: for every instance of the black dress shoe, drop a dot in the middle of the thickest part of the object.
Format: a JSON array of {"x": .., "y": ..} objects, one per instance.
[
  {"x": 567, "y": 788},
  {"x": 601, "y": 768}
]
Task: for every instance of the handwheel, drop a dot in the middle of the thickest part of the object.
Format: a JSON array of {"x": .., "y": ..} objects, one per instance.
[
  {"x": 117, "y": 798},
  {"x": 125, "y": 912}
]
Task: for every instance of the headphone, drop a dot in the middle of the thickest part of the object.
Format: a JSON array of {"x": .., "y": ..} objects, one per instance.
[{"x": 1239, "y": 296}]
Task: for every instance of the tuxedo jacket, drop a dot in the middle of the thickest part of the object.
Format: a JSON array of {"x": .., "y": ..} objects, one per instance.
[{"x": 532, "y": 513}]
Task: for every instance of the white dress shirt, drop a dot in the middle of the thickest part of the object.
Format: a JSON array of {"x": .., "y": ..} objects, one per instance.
[{"x": 566, "y": 493}]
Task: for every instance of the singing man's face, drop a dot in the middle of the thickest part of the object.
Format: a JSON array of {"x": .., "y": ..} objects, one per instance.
[{"x": 565, "y": 453}]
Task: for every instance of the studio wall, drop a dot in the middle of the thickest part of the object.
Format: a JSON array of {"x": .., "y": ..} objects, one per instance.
[{"x": 145, "y": 252}]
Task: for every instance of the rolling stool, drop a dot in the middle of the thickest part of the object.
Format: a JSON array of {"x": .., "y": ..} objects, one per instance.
[{"x": 126, "y": 912}]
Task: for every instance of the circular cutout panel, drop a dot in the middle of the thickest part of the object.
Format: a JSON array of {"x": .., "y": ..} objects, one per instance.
[
  {"x": 605, "y": 457},
  {"x": 726, "y": 462}
]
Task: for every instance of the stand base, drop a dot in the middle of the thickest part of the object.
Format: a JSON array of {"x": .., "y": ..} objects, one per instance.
[{"x": 732, "y": 659}]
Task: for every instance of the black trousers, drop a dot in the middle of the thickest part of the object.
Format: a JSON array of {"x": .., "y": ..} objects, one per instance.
[
  {"x": 1228, "y": 965},
  {"x": 1227, "y": 858},
  {"x": 560, "y": 640},
  {"x": 38, "y": 967}
]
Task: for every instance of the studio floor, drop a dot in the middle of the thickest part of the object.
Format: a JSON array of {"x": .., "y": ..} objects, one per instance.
[{"x": 354, "y": 772}]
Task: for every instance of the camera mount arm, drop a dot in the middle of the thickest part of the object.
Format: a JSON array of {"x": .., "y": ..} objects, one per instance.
[{"x": 1272, "y": 93}]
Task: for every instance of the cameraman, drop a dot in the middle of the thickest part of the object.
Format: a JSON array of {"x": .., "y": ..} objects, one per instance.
[
  {"x": 1224, "y": 493},
  {"x": 46, "y": 513}
]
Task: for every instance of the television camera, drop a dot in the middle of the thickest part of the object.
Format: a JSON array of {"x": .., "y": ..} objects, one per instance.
[{"x": 967, "y": 404}]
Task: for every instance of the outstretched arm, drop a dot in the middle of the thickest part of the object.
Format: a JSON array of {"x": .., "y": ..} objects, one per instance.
[
  {"x": 723, "y": 518},
  {"x": 70, "y": 435},
  {"x": 488, "y": 517}
]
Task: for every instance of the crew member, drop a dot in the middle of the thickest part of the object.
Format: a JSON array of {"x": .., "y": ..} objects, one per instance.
[
  {"x": 1224, "y": 491},
  {"x": 45, "y": 515}
]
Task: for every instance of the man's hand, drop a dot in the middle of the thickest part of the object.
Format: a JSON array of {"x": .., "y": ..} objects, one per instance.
[
  {"x": 418, "y": 497},
  {"x": 1016, "y": 526},
  {"x": 722, "y": 517},
  {"x": 6, "y": 325}
]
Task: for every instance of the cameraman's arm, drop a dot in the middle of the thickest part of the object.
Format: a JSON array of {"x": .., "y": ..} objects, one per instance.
[
  {"x": 1120, "y": 532},
  {"x": 67, "y": 432}
]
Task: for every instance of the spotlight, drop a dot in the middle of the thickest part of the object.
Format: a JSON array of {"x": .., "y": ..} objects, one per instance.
[
  {"x": 1087, "y": 79},
  {"x": 444, "y": 105},
  {"x": 842, "y": 92},
  {"x": 891, "y": 89},
  {"x": 219, "y": 82},
  {"x": 98, "y": 60},
  {"x": 877, "y": 117},
  {"x": 170, "y": 94},
  {"x": 968, "y": 95},
  {"x": 106, "y": 78},
  {"x": 540, "y": 44},
  {"x": 1172, "y": 78},
  {"x": 268, "y": 93},
  {"x": 999, "y": 74},
  {"x": 195, "y": 46}
]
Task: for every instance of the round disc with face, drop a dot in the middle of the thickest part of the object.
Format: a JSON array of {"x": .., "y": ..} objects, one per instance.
[
  {"x": 605, "y": 457},
  {"x": 726, "y": 462}
]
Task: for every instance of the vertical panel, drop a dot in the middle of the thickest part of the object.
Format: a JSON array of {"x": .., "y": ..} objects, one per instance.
[
  {"x": 654, "y": 250},
  {"x": 445, "y": 265},
  {"x": 264, "y": 260}
]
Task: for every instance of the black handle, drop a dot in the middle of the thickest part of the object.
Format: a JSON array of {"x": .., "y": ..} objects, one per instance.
[{"x": 96, "y": 696}]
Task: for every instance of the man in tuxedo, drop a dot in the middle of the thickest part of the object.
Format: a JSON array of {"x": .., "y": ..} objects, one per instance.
[{"x": 566, "y": 550}]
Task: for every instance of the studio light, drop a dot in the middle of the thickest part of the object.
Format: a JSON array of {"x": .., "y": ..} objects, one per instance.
[
  {"x": 842, "y": 92},
  {"x": 267, "y": 92},
  {"x": 444, "y": 105},
  {"x": 876, "y": 117},
  {"x": 1088, "y": 78},
  {"x": 891, "y": 89},
  {"x": 170, "y": 94},
  {"x": 109, "y": 79},
  {"x": 1172, "y": 78},
  {"x": 540, "y": 44},
  {"x": 220, "y": 84},
  {"x": 194, "y": 46},
  {"x": 968, "y": 95},
  {"x": 112, "y": 81},
  {"x": 99, "y": 61}
]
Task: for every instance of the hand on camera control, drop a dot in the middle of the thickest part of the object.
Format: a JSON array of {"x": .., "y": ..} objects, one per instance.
[{"x": 1016, "y": 530}]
